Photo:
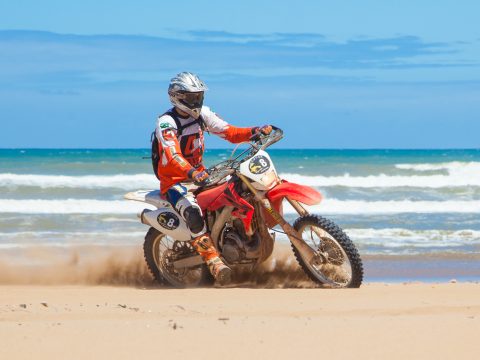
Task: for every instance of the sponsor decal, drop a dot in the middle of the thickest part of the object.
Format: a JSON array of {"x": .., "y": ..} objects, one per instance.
[
  {"x": 164, "y": 125},
  {"x": 168, "y": 220},
  {"x": 168, "y": 134},
  {"x": 180, "y": 160},
  {"x": 259, "y": 164}
]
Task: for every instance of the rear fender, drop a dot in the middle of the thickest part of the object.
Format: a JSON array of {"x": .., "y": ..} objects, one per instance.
[{"x": 153, "y": 197}]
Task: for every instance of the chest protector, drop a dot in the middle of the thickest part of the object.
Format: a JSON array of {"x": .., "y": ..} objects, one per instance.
[{"x": 185, "y": 142}]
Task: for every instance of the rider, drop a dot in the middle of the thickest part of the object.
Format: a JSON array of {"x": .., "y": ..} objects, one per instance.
[{"x": 180, "y": 140}]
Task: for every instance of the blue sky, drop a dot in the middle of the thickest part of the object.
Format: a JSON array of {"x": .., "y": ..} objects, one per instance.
[{"x": 344, "y": 74}]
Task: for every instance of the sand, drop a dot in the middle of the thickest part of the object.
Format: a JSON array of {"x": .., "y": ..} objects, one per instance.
[{"x": 377, "y": 321}]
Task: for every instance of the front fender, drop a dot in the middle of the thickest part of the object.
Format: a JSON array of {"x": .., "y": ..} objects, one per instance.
[{"x": 300, "y": 193}]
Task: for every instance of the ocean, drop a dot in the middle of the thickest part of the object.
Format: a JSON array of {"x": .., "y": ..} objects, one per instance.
[{"x": 413, "y": 214}]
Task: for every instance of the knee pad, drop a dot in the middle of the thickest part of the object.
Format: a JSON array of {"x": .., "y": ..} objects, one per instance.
[{"x": 194, "y": 219}]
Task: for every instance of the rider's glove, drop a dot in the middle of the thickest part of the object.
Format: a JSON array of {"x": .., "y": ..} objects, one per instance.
[
  {"x": 199, "y": 176},
  {"x": 264, "y": 130}
]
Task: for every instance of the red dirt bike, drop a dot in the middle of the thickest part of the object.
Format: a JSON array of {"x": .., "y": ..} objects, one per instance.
[{"x": 242, "y": 200}]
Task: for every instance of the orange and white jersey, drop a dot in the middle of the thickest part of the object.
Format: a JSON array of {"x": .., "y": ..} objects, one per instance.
[{"x": 181, "y": 150}]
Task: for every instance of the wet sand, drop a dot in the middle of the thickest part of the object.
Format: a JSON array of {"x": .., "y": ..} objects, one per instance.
[{"x": 394, "y": 321}]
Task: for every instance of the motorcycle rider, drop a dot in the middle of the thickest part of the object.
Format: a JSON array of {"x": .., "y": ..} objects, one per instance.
[{"x": 180, "y": 135}]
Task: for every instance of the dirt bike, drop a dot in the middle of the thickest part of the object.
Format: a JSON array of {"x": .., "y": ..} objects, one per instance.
[{"x": 242, "y": 201}]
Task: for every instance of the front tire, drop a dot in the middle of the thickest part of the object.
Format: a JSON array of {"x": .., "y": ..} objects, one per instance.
[
  {"x": 160, "y": 251},
  {"x": 338, "y": 263}
]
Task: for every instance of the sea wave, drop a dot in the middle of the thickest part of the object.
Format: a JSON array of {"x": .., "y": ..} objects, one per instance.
[
  {"x": 328, "y": 206},
  {"x": 388, "y": 181},
  {"x": 360, "y": 207},
  {"x": 458, "y": 175},
  {"x": 400, "y": 237},
  {"x": 69, "y": 234},
  {"x": 126, "y": 182},
  {"x": 368, "y": 239},
  {"x": 453, "y": 167},
  {"x": 26, "y": 239},
  {"x": 71, "y": 206}
]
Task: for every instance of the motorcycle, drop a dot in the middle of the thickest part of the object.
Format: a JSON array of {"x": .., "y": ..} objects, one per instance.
[{"x": 242, "y": 202}]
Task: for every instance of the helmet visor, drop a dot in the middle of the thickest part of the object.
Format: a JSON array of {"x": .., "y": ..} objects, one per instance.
[{"x": 192, "y": 99}]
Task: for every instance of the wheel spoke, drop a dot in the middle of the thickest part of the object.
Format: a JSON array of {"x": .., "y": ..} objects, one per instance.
[
  {"x": 165, "y": 251},
  {"x": 334, "y": 268}
]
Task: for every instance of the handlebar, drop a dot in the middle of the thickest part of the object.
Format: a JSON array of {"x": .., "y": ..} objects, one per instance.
[
  {"x": 225, "y": 168},
  {"x": 259, "y": 136},
  {"x": 215, "y": 177},
  {"x": 276, "y": 135}
]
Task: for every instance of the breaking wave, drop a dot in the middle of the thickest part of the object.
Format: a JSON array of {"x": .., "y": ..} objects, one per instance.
[
  {"x": 457, "y": 174},
  {"x": 125, "y": 182},
  {"x": 71, "y": 206},
  {"x": 328, "y": 206},
  {"x": 400, "y": 237},
  {"x": 385, "y": 238},
  {"x": 456, "y": 167}
]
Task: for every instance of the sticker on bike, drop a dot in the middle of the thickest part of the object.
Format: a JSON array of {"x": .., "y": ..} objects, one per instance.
[
  {"x": 168, "y": 220},
  {"x": 259, "y": 164}
]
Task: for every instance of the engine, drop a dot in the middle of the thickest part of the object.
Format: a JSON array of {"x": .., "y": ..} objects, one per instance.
[
  {"x": 232, "y": 246},
  {"x": 236, "y": 246}
]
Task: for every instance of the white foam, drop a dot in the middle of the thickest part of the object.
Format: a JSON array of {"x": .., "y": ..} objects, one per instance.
[
  {"x": 459, "y": 174},
  {"x": 328, "y": 206},
  {"x": 451, "y": 167},
  {"x": 360, "y": 207},
  {"x": 387, "y": 238},
  {"x": 70, "y": 234},
  {"x": 398, "y": 237},
  {"x": 71, "y": 206},
  {"x": 126, "y": 182},
  {"x": 408, "y": 238},
  {"x": 117, "y": 219},
  {"x": 461, "y": 177}
]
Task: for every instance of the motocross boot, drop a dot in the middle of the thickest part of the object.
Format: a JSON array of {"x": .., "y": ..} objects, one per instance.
[{"x": 204, "y": 246}]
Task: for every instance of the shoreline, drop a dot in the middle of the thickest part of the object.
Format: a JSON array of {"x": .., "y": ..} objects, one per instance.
[{"x": 124, "y": 265}]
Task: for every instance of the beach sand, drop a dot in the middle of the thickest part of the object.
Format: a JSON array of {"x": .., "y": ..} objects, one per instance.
[{"x": 377, "y": 321}]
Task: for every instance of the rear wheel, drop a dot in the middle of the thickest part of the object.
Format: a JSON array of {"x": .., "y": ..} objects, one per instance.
[
  {"x": 337, "y": 262},
  {"x": 161, "y": 251}
]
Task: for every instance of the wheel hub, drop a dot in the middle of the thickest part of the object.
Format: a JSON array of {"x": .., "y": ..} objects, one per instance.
[{"x": 330, "y": 251}]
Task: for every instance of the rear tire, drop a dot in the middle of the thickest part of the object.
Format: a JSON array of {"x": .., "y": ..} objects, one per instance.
[
  {"x": 339, "y": 249},
  {"x": 155, "y": 250}
]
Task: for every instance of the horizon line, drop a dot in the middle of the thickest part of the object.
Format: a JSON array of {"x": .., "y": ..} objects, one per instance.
[{"x": 225, "y": 148}]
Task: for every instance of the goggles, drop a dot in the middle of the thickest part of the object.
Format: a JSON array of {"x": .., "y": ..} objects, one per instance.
[{"x": 192, "y": 99}]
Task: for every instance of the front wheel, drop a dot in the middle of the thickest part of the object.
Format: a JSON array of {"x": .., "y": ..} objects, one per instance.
[
  {"x": 161, "y": 251},
  {"x": 336, "y": 262}
]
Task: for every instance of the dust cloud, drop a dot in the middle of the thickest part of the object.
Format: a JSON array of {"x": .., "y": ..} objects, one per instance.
[{"x": 126, "y": 267}]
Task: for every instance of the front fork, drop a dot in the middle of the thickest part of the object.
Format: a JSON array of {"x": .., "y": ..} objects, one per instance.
[{"x": 308, "y": 254}]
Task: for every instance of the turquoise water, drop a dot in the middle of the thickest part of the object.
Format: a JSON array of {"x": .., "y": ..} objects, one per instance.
[
  {"x": 307, "y": 161},
  {"x": 395, "y": 204}
]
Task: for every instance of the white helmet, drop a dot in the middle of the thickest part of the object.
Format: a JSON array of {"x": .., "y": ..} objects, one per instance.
[{"x": 186, "y": 92}]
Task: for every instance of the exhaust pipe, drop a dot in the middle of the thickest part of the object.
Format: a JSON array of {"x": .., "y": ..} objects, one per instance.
[{"x": 140, "y": 215}]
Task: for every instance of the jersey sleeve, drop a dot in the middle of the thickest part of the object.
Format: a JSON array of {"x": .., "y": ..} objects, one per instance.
[
  {"x": 216, "y": 125},
  {"x": 169, "y": 148}
]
